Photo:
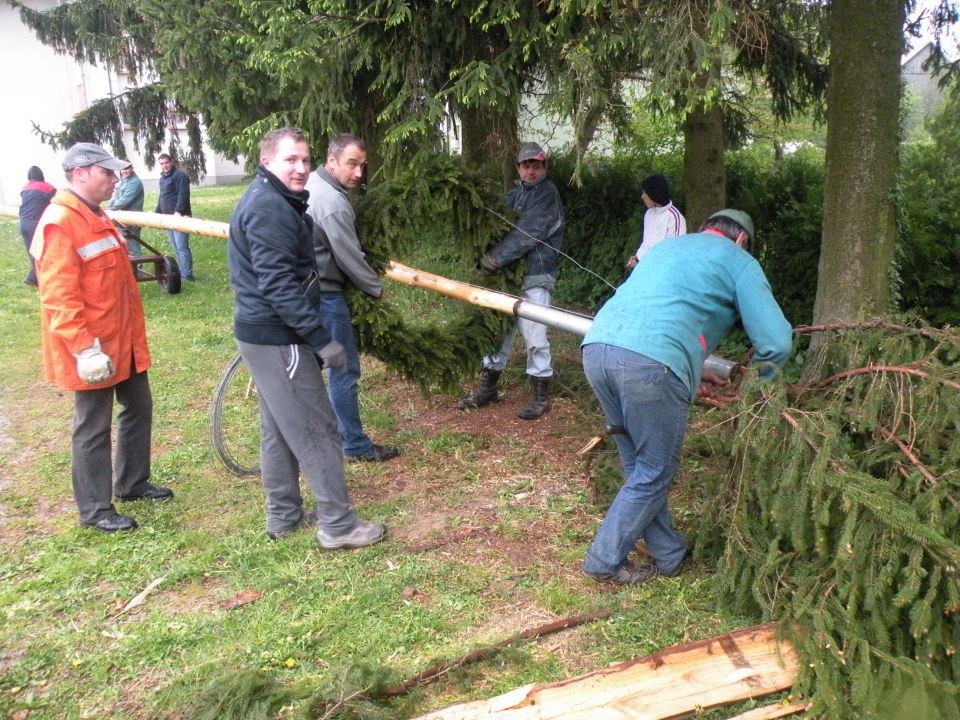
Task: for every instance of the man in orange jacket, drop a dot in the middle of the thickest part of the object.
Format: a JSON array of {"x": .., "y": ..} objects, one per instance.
[{"x": 95, "y": 339}]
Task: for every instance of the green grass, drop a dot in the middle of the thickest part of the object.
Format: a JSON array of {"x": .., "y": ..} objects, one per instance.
[{"x": 520, "y": 526}]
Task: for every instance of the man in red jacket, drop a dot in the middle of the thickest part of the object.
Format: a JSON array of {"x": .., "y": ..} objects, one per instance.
[
  {"x": 34, "y": 198},
  {"x": 95, "y": 339}
]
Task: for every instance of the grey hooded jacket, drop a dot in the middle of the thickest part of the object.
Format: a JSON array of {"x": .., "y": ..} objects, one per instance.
[{"x": 340, "y": 259}]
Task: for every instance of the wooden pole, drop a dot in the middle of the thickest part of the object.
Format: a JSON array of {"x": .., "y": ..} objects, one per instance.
[{"x": 482, "y": 297}]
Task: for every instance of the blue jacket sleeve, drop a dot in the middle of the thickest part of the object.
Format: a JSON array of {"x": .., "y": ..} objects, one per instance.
[
  {"x": 126, "y": 196},
  {"x": 763, "y": 320},
  {"x": 183, "y": 193}
]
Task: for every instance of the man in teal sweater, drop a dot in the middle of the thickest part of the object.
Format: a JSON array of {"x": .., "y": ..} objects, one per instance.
[{"x": 644, "y": 356}]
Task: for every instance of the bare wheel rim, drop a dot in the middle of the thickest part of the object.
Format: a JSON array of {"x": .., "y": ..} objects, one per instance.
[{"x": 235, "y": 420}]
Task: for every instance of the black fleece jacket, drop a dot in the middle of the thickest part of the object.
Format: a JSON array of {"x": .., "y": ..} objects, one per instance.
[{"x": 273, "y": 270}]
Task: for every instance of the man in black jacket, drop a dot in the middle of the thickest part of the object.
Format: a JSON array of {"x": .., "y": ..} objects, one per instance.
[
  {"x": 175, "y": 200},
  {"x": 277, "y": 324},
  {"x": 537, "y": 236}
]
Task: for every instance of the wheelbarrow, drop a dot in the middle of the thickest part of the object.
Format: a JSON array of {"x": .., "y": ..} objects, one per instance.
[{"x": 162, "y": 268}]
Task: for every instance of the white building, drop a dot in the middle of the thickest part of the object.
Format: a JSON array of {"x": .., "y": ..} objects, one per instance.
[{"x": 44, "y": 89}]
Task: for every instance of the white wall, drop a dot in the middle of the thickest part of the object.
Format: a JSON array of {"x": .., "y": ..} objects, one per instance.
[{"x": 38, "y": 86}]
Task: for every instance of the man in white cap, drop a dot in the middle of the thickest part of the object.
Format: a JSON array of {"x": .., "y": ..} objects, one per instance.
[
  {"x": 643, "y": 357},
  {"x": 537, "y": 236},
  {"x": 95, "y": 340}
]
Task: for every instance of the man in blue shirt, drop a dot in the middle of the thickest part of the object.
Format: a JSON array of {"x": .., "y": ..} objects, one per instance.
[{"x": 644, "y": 356}]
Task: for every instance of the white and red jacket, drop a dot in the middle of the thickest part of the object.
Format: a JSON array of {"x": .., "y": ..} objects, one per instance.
[
  {"x": 659, "y": 223},
  {"x": 87, "y": 291}
]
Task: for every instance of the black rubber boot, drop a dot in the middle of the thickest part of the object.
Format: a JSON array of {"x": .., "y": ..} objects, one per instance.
[
  {"x": 485, "y": 393},
  {"x": 540, "y": 402}
]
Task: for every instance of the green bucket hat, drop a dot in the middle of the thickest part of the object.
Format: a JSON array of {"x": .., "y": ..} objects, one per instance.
[{"x": 739, "y": 217}]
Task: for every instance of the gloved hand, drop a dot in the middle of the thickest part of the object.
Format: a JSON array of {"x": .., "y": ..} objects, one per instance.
[
  {"x": 93, "y": 365},
  {"x": 333, "y": 355},
  {"x": 487, "y": 264}
]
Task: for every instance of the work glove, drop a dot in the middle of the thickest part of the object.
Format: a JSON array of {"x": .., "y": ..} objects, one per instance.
[
  {"x": 333, "y": 355},
  {"x": 487, "y": 264},
  {"x": 93, "y": 365}
]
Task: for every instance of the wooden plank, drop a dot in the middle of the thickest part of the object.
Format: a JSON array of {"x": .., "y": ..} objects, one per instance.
[
  {"x": 673, "y": 682},
  {"x": 770, "y": 712}
]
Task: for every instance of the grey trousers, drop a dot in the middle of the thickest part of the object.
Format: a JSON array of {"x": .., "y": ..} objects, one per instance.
[
  {"x": 94, "y": 482},
  {"x": 298, "y": 432}
]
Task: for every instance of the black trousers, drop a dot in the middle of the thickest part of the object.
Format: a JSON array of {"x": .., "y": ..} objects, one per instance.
[{"x": 95, "y": 478}]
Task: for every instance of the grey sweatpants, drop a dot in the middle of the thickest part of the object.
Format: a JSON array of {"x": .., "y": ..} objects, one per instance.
[{"x": 298, "y": 432}]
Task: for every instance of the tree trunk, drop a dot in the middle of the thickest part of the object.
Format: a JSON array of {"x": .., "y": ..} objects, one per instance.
[
  {"x": 488, "y": 133},
  {"x": 488, "y": 139},
  {"x": 366, "y": 105},
  {"x": 703, "y": 170},
  {"x": 859, "y": 227}
]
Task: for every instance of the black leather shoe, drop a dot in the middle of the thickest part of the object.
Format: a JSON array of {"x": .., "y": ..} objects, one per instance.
[
  {"x": 377, "y": 453},
  {"x": 114, "y": 523},
  {"x": 150, "y": 492}
]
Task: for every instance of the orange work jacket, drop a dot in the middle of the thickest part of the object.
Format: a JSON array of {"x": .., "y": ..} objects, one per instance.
[{"x": 87, "y": 291}]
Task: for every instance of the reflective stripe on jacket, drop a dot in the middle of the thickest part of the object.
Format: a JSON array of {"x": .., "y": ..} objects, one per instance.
[{"x": 87, "y": 291}]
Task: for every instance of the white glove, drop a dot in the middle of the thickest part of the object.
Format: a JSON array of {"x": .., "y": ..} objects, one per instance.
[
  {"x": 333, "y": 355},
  {"x": 93, "y": 365}
]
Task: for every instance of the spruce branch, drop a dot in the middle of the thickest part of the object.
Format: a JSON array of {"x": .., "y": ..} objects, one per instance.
[
  {"x": 914, "y": 460},
  {"x": 870, "y": 325},
  {"x": 903, "y": 370}
]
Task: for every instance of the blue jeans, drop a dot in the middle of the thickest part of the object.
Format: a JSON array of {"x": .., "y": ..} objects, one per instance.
[
  {"x": 181, "y": 244},
  {"x": 651, "y": 404},
  {"x": 344, "y": 382}
]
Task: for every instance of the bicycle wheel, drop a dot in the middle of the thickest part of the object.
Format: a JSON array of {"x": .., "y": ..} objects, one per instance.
[{"x": 235, "y": 420}]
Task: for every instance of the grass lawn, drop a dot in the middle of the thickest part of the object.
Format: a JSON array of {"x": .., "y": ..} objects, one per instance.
[{"x": 489, "y": 517}]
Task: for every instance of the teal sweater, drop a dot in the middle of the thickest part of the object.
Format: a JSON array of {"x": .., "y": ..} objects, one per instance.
[{"x": 687, "y": 287}]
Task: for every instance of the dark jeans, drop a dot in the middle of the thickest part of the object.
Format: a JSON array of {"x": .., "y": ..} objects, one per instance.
[
  {"x": 31, "y": 278},
  {"x": 650, "y": 403}
]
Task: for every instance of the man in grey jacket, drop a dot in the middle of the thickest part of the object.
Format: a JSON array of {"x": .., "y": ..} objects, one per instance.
[
  {"x": 537, "y": 236},
  {"x": 128, "y": 195},
  {"x": 340, "y": 260}
]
